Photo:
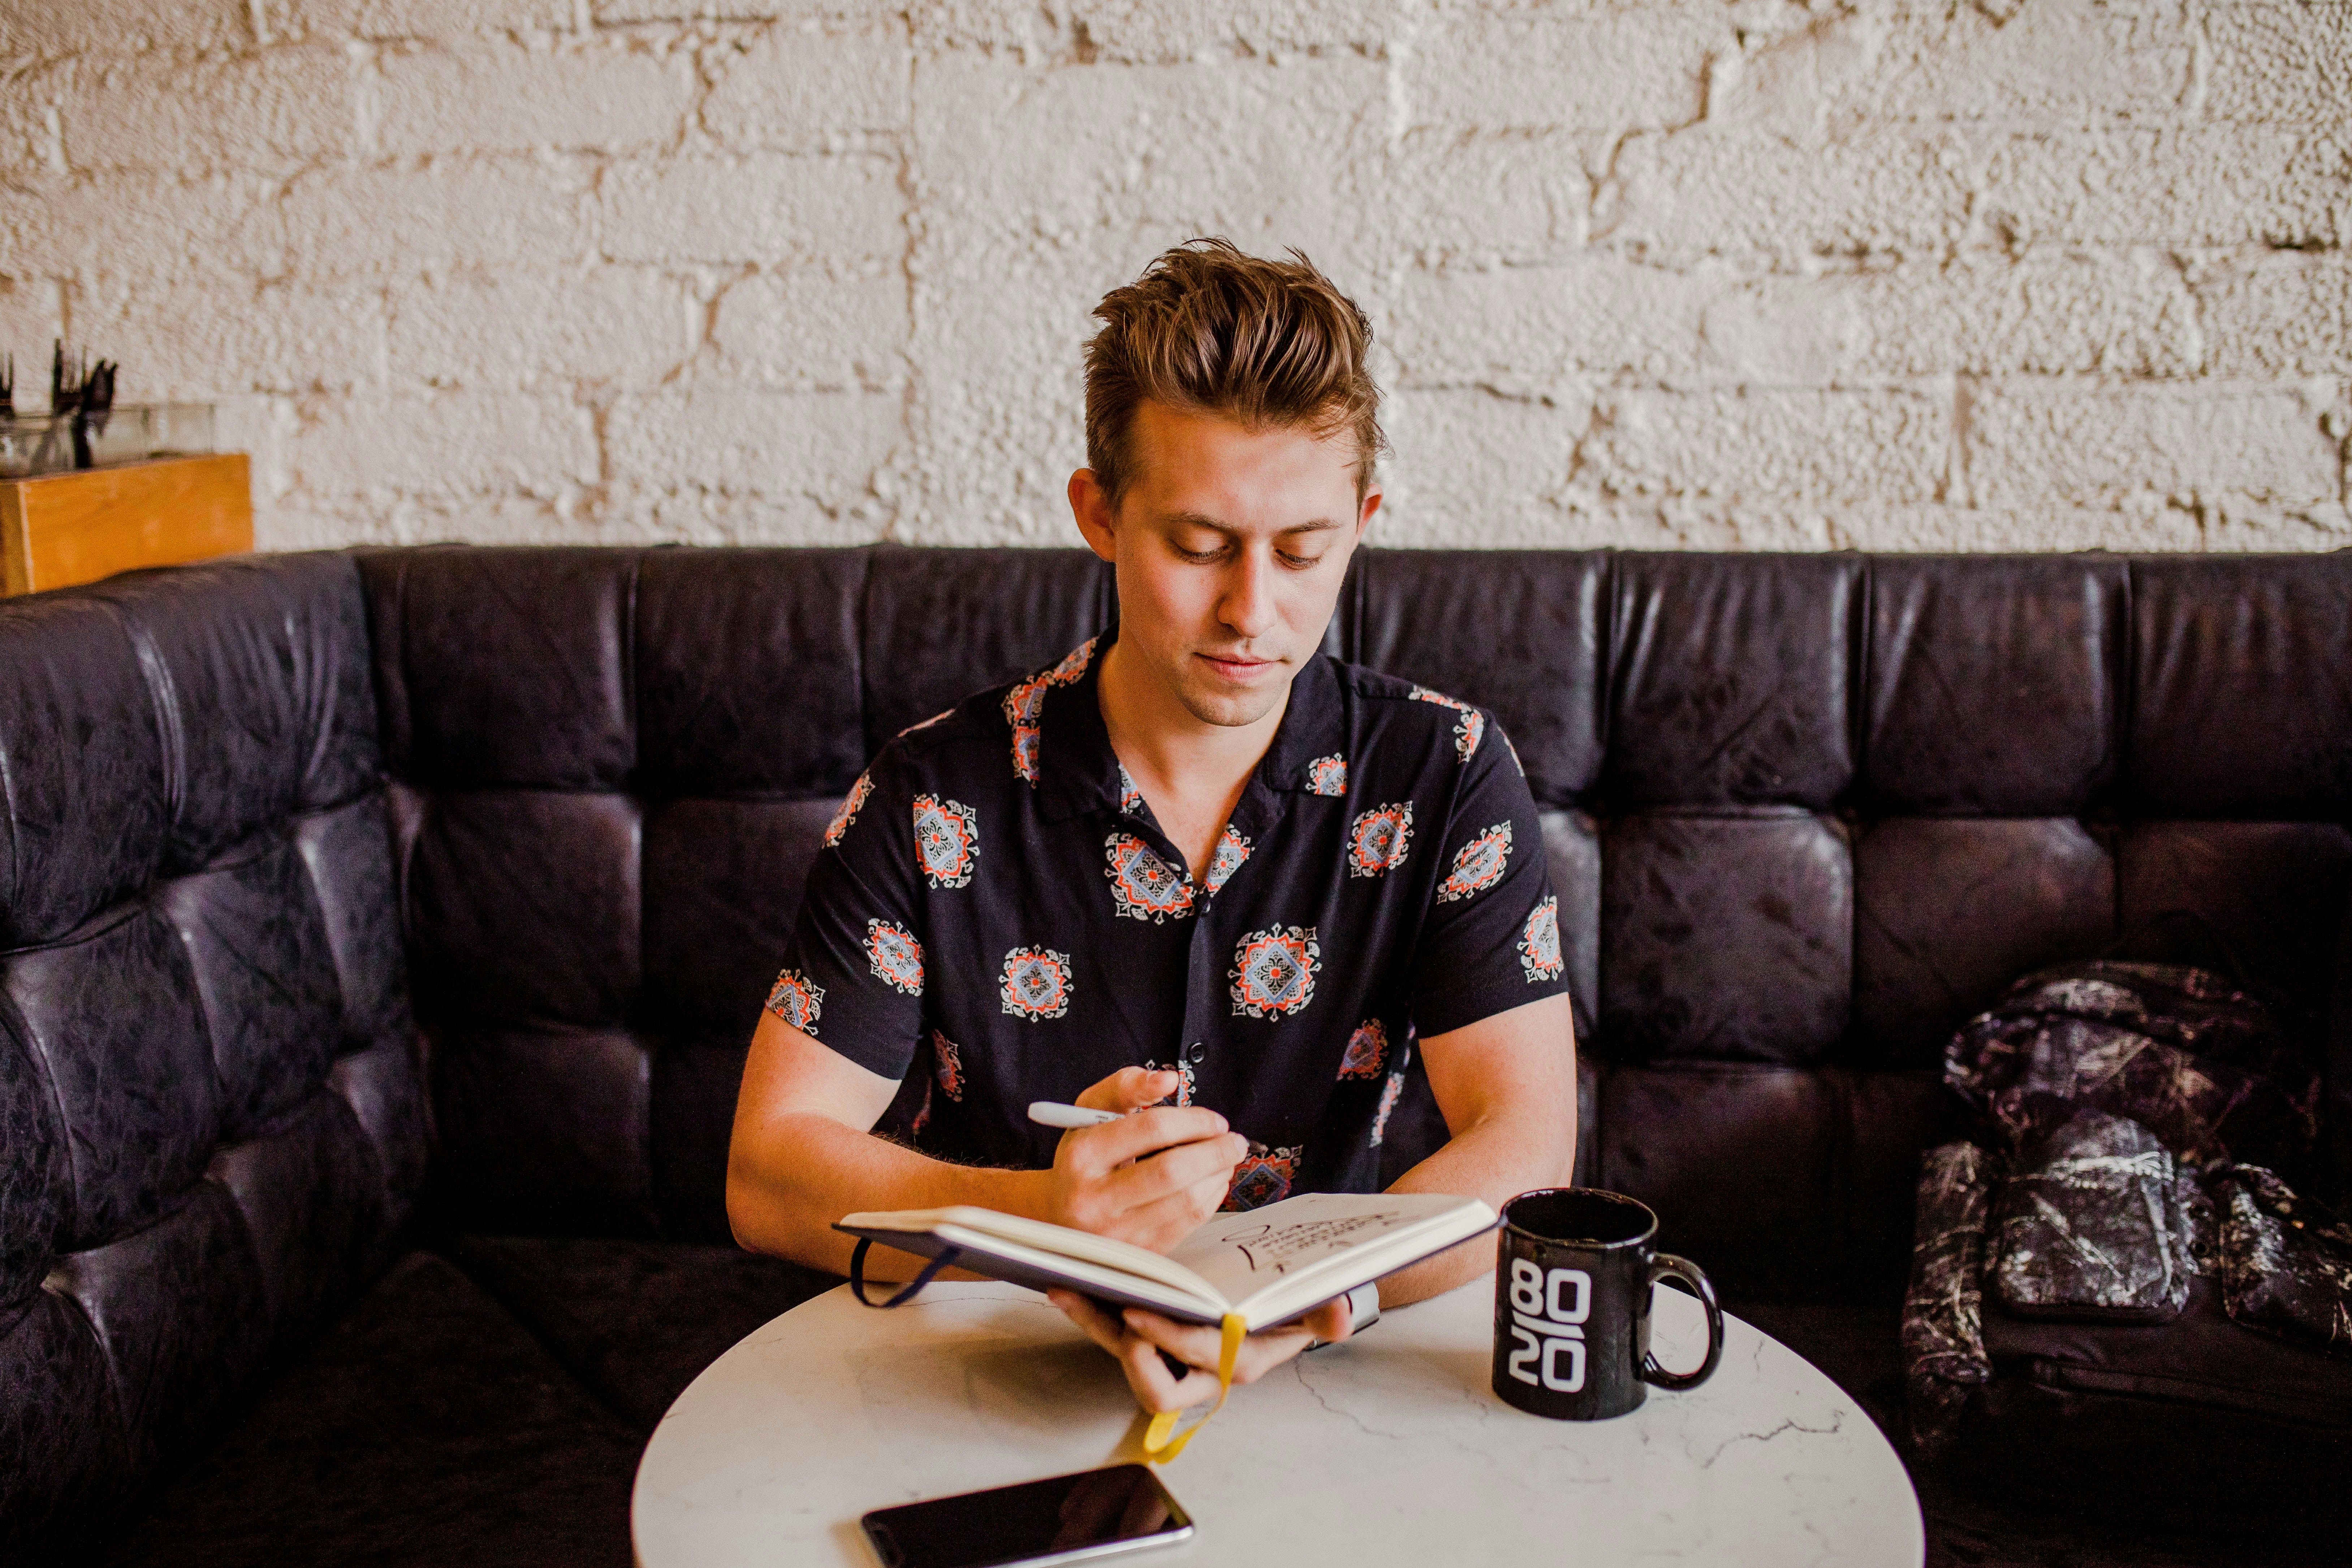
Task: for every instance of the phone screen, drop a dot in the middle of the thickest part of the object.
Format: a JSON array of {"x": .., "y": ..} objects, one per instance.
[{"x": 1061, "y": 1518}]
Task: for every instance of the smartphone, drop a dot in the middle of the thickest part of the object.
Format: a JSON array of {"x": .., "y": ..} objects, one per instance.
[{"x": 1062, "y": 1519}]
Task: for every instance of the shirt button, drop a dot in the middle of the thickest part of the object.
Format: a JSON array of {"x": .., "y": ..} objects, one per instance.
[{"x": 1198, "y": 1052}]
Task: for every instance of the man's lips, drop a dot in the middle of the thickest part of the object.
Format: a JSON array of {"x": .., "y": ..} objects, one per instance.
[{"x": 1238, "y": 668}]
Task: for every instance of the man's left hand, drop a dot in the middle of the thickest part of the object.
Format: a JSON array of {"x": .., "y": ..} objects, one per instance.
[{"x": 1137, "y": 1337}]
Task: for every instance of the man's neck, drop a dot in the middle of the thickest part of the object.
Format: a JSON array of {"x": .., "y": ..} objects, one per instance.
[{"x": 1193, "y": 773}]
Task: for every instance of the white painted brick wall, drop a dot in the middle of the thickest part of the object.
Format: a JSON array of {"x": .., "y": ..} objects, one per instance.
[{"x": 1897, "y": 274}]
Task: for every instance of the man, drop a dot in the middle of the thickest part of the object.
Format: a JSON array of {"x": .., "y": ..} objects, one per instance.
[{"x": 1195, "y": 870}]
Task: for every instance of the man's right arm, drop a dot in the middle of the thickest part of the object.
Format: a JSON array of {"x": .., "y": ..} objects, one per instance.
[{"x": 802, "y": 1157}]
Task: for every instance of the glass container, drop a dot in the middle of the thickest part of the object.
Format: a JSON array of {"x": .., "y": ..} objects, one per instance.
[
  {"x": 35, "y": 444},
  {"x": 134, "y": 432}
]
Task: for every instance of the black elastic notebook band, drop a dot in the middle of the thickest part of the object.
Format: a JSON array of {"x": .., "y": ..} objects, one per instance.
[{"x": 858, "y": 1274}]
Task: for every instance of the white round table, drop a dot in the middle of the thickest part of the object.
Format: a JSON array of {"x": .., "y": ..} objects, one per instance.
[{"x": 1392, "y": 1449}]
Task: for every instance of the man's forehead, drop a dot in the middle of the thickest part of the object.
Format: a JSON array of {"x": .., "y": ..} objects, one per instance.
[{"x": 1202, "y": 469}]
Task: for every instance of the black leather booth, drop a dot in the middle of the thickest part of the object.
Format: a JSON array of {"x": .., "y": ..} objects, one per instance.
[{"x": 380, "y": 933}]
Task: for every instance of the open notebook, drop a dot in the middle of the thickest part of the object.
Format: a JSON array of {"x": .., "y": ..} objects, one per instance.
[{"x": 1265, "y": 1266}]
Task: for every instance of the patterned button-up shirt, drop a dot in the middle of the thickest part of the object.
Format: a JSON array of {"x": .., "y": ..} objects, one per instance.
[{"x": 997, "y": 907}]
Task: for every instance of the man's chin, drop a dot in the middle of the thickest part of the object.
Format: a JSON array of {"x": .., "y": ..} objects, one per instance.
[{"x": 1230, "y": 710}]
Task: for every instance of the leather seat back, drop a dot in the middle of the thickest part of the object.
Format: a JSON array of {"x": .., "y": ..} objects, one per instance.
[
  {"x": 1805, "y": 815},
  {"x": 1809, "y": 814},
  {"x": 211, "y": 1120},
  {"x": 611, "y": 769}
]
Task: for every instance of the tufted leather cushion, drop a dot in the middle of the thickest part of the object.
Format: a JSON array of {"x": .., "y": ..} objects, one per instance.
[
  {"x": 2241, "y": 697},
  {"x": 1522, "y": 626},
  {"x": 1805, "y": 815},
  {"x": 940, "y": 624},
  {"x": 1990, "y": 684},
  {"x": 613, "y": 768},
  {"x": 210, "y": 1118},
  {"x": 1838, "y": 803}
]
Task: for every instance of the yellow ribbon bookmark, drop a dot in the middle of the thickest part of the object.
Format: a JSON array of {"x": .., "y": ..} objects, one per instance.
[{"x": 1162, "y": 1441}]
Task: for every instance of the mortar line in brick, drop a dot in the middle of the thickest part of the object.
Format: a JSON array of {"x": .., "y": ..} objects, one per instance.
[
  {"x": 706, "y": 82},
  {"x": 2197, "y": 79}
]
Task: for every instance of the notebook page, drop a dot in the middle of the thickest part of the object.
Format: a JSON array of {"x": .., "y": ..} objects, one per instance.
[{"x": 1256, "y": 1252}]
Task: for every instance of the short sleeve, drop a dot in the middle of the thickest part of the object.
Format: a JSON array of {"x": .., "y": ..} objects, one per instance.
[
  {"x": 853, "y": 974},
  {"x": 1490, "y": 938}
]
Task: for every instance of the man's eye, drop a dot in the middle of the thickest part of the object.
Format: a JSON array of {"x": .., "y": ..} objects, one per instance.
[
  {"x": 1201, "y": 555},
  {"x": 1297, "y": 562}
]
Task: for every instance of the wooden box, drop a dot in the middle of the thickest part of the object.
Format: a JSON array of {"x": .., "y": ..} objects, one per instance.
[{"x": 62, "y": 529}]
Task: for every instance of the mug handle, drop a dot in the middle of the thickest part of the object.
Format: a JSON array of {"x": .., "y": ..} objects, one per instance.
[{"x": 1681, "y": 1268}]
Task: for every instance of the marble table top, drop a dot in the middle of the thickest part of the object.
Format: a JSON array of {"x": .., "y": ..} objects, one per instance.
[{"x": 1392, "y": 1449}]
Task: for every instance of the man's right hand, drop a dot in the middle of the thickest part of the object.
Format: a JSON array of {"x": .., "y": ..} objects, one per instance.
[{"x": 1148, "y": 1178}]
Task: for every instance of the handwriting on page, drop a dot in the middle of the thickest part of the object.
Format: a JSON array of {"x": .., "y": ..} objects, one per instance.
[{"x": 1277, "y": 1246}]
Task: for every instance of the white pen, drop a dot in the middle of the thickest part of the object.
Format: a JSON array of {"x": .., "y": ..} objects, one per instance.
[{"x": 1053, "y": 1113}]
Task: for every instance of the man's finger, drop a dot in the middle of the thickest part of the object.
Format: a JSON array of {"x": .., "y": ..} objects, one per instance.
[
  {"x": 1163, "y": 1221},
  {"x": 1331, "y": 1322},
  {"x": 1189, "y": 1343},
  {"x": 1160, "y": 1223},
  {"x": 1098, "y": 1325},
  {"x": 1262, "y": 1351},
  {"x": 1174, "y": 1169},
  {"x": 1129, "y": 1089},
  {"x": 1145, "y": 1132},
  {"x": 1200, "y": 1347},
  {"x": 1210, "y": 1191},
  {"x": 1150, "y": 1377},
  {"x": 1146, "y": 1374}
]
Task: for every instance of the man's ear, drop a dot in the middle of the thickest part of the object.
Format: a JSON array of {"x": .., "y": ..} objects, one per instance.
[
  {"x": 1364, "y": 510},
  {"x": 1090, "y": 508}
]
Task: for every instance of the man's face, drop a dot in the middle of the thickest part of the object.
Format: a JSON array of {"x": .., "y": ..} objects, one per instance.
[{"x": 1230, "y": 544}]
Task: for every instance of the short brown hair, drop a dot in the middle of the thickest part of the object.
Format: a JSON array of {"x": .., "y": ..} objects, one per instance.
[{"x": 1207, "y": 329}]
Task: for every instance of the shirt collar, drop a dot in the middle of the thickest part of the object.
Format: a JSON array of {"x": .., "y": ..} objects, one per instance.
[
  {"x": 1314, "y": 726},
  {"x": 1077, "y": 772}
]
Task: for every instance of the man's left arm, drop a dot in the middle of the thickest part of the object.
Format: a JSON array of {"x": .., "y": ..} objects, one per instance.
[{"x": 1507, "y": 1086}]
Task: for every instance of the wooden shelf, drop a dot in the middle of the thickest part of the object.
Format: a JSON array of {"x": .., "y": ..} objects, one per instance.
[{"x": 62, "y": 529}]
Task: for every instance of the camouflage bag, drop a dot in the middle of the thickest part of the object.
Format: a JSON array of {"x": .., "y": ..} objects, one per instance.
[
  {"x": 2097, "y": 1224},
  {"x": 2135, "y": 1117},
  {"x": 2196, "y": 1060},
  {"x": 2286, "y": 1261}
]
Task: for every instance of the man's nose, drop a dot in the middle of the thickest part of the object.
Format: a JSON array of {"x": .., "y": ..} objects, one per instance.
[{"x": 1248, "y": 606}]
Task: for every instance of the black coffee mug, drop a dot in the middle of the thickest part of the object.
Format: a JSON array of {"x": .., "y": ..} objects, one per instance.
[{"x": 1572, "y": 1305}]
